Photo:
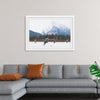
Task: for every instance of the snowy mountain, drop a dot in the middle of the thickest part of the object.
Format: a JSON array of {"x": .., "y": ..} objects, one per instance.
[{"x": 58, "y": 30}]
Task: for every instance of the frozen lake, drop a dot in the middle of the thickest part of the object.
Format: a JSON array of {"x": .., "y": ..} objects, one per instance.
[{"x": 48, "y": 46}]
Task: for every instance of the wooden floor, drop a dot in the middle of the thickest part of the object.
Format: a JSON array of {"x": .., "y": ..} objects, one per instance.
[{"x": 59, "y": 97}]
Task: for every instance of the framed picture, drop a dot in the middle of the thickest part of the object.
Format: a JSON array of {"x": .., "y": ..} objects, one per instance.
[{"x": 49, "y": 33}]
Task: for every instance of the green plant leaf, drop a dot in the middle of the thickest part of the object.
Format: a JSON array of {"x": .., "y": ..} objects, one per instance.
[
  {"x": 93, "y": 67},
  {"x": 98, "y": 75},
  {"x": 95, "y": 72}
]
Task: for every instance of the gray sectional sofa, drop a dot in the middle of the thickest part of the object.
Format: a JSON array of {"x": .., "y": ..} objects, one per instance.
[{"x": 57, "y": 79}]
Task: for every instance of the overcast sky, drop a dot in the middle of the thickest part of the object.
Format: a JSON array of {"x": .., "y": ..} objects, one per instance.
[{"x": 45, "y": 24}]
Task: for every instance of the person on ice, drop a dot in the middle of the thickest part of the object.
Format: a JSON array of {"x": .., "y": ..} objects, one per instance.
[{"x": 45, "y": 41}]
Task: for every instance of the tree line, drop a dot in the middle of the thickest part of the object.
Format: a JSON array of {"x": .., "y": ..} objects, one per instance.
[{"x": 52, "y": 36}]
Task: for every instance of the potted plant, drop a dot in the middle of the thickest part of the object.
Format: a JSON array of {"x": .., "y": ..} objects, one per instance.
[{"x": 94, "y": 70}]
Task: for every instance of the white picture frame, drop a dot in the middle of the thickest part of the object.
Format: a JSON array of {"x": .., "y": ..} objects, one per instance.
[{"x": 50, "y": 33}]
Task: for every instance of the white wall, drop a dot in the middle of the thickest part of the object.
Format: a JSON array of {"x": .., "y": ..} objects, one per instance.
[{"x": 12, "y": 31}]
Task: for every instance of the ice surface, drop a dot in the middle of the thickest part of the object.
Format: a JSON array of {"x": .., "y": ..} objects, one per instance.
[{"x": 49, "y": 46}]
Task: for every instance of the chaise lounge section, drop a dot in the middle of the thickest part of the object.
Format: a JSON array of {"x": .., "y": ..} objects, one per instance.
[{"x": 12, "y": 90}]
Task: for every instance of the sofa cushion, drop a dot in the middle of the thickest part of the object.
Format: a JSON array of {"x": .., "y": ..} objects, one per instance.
[
  {"x": 45, "y": 71},
  {"x": 54, "y": 71},
  {"x": 84, "y": 71},
  {"x": 70, "y": 71},
  {"x": 62, "y": 90},
  {"x": 15, "y": 96},
  {"x": 61, "y": 83},
  {"x": 10, "y": 87},
  {"x": 22, "y": 69},
  {"x": 10, "y": 68},
  {"x": 99, "y": 91}
]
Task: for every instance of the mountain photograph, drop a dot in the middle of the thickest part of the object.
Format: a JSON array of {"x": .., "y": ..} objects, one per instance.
[
  {"x": 55, "y": 34},
  {"x": 50, "y": 32}
]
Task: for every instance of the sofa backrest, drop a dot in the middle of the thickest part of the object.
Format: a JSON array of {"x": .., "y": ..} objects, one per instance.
[
  {"x": 23, "y": 69},
  {"x": 76, "y": 71},
  {"x": 49, "y": 71},
  {"x": 10, "y": 68},
  {"x": 52, "y": 71}
]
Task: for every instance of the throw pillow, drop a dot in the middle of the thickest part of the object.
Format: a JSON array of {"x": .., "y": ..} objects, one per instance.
[
  {"x": 35, "y": 71},
  {"x": 10, "y": 76}
]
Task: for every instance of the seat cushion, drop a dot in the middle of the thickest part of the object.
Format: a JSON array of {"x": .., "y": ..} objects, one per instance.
[
  {"x": 15, "y": 96},
  {"x": 61, "y": 90},
  {"x": 10, "y": 87},
  {"x": 61, "y": 83}
]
